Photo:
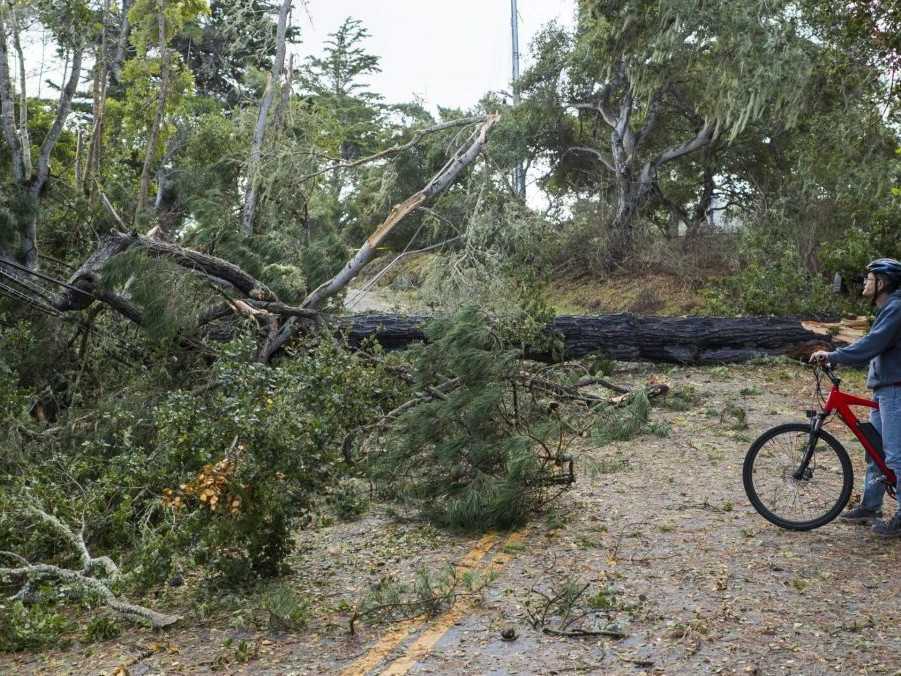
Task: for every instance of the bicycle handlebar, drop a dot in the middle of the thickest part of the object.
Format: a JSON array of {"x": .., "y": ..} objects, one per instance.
[{"x": 828, "y": 369}]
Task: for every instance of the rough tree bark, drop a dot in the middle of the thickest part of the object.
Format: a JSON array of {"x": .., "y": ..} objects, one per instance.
[
  {"x": 259, "y": 132},
  {"x": 7, "y": 104},
  {"x": 24, "y": 137},
  {"x": 84, "y": 284},
  {"x": 118, "y": 60},
  {"x": 679, "y": 340}
]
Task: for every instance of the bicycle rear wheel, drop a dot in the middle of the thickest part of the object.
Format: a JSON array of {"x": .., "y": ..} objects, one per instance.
[{"x": 804, "y": 503}]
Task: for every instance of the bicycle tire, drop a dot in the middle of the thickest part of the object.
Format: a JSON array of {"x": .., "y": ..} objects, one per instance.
[{"x": 799, "y": 430}]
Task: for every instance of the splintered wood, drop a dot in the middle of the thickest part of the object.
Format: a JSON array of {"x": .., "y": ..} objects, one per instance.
[{"x": 844, "y": 331}]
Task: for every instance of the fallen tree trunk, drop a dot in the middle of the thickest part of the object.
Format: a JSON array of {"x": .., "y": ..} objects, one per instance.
[{"x": 629, "y": 337}]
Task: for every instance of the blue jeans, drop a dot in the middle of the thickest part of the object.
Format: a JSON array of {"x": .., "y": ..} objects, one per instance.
[{"x": 887, "y": 421}]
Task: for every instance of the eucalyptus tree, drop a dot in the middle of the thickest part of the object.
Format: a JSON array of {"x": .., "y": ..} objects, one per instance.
[
  {"x": 29, "y": 171},
  {"x": 640, "y": 86}
]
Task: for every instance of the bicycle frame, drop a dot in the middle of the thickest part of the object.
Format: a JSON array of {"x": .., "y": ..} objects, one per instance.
[{"x": 841, "y": 403}]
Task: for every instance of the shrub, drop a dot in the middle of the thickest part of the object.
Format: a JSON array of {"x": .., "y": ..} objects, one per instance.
[
  {"x": 166, "y": 473},
  {"x": 772, "y": 280},
  {"x": 349, "y": 499},
  {"x": 32, "y": 627},
  {"x": 102, "y": 628},
  {"x": 253, "y": 456}
]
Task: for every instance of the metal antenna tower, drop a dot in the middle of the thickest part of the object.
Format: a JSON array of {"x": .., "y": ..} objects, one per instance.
[{"x": 519, "y": 173}]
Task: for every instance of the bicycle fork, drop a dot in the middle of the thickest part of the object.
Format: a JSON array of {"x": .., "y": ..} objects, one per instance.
[{"x": 816, "y": 424}]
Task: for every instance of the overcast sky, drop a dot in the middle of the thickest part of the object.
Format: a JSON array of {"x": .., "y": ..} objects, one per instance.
[{"x": 448, "y": 53}]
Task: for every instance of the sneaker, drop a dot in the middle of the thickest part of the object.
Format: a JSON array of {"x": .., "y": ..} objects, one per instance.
[
  {"x": 861, "y": 514},
  {"x": 890, "y": 528}
]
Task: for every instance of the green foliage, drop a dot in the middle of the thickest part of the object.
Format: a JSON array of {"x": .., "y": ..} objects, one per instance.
[
  {"x": 772, "y": 280},
  {"x": 141, "y": 77},
  {"x": 16, "y": 340},
  {"x": 286, "y": 609},
  {"x": 169, "y": 477},
  {"x": 17, "y": 207},
  {"x": 503, "y": 269},
  {"x": 227, "y": 47},
  {"x": 69, "y": 22},
  {"x": 349, "y": 499},
  {"x": 479, "y": 456},
  {"x": 32, "y": 627},
  {"x": 102, "y": 628},
  {"x": 625, "y": 421},
  {"x": 850, "y": 254},
  {"x": 323, "y": 258},
  {"x": 170, "y": 300},
  {"x": 144, "y": 19},
  {"x": 263, "y": 445}
]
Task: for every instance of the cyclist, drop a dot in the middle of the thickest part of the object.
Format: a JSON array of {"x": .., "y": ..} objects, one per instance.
[{"x": 882, "y": 348}]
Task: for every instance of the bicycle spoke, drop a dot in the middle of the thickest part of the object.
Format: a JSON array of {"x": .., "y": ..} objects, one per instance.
[{"x": 797, "y": 500}]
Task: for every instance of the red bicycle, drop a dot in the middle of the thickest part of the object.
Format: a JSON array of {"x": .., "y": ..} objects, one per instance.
[{"x": 798, "y": 476}]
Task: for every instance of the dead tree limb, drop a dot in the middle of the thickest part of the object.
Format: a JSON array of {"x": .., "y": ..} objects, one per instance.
[
  {"x": 130, "y": 610},
  {"x": 83, "y": 578},
  {"x": 439, "y": 183},
  {"x": 84, "y": 284},
  {"x": 418, "y": 135}
]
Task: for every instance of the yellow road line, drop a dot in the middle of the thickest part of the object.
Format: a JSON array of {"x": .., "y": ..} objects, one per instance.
[
  {"x": 423, "y": 645},
  {"x": 398, "y": 634}
]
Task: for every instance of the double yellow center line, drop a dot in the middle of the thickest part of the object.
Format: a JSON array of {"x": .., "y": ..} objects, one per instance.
[{"x": 424, "y": 643}]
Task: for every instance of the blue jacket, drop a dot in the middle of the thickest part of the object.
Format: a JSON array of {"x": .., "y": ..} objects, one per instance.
[{"x": 882, "y": 346}]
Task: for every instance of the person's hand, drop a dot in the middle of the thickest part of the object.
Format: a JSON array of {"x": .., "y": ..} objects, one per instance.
[{"x": 819, "y": 357}]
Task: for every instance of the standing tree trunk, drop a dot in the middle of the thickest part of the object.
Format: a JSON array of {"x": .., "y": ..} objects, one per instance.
[
  {"x": 635, "y": 178},
  {"x": 101, "y": 80},
  {"x": 7, "y": 105},
  {"x": 29, "y": 254},
  {"x": 157, "y": 125},
  {"x": 30, "y": 179},
  {"x": 115, "y": 67},
  {"x": 259, "y": 132},
  {"x": 24, "y": 137}
]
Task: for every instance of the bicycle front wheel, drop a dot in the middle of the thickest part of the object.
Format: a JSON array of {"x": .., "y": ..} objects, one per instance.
[{"x": 784, "y": 498}]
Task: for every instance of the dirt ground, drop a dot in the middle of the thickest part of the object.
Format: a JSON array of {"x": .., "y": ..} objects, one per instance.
[{"x": 657, "y": 530}]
